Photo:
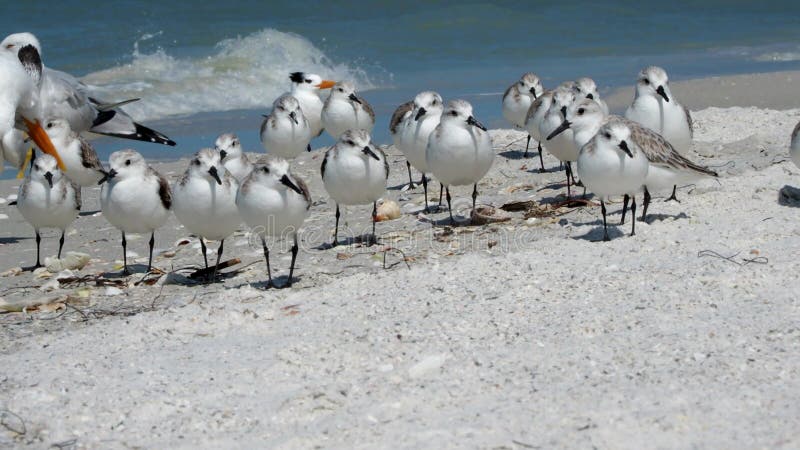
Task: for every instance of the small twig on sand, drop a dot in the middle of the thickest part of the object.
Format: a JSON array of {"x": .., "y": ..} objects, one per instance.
[
  {"x": 18, "y": 428},
  {"x": 746, "y": 261},
  {"x": 389, "y": 249}
]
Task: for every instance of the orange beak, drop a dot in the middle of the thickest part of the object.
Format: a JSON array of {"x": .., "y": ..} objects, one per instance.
[
  {"x": 326, "y": 84},
  {"x": 42, "y": 140}
]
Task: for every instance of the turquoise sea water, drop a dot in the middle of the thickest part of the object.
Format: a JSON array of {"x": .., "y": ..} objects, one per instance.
[{"x": 205, "y": 68}]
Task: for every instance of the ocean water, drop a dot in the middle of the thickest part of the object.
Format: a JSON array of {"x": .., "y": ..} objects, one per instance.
[{"x": 203, "y": 68}]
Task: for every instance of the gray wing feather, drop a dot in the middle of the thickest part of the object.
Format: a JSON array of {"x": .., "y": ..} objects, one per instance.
[
  {"x": 660, "y": 152},
  {"x": 89, "y": 157},
  {"x": 398, "y": 115}
]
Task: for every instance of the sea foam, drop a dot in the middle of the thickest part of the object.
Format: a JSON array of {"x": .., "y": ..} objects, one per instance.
[{"x": 242, "y": 73}]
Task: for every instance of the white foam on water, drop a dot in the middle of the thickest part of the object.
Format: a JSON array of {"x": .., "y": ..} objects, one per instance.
[{"x": 244, "y": 73}]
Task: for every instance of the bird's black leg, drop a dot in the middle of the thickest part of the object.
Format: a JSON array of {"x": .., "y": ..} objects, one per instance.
[
  {"x": 373, "y": 239},
  {"x": 125, "y": 270},
  {"x": 474, "y": 197},
  {"x": 633, "y": 214},
  {"x": 425, "y": 188},
  {"x": 568, "y": 170},
  {"x": 410, "y": 181},
  {"x": 295, "y": 249},
  {"x": 527, "y": 144},
  {"x": 441, "y": 190},
  {"x": 219, "y": 256},
  {"x": 625, "y": 201},
  {"x": 646, "y": 204},
  {"x": 308, "y": 147},
  {"x": 38, "y": 245},
  {"x": 541, "y": 158},
  {"x": 203, "y": 247},
  {"x": 605, "y": 225},
  {"x": 60, "y": 244},
  {"x": 152, "y": 243},
  {"x": 336, "y": 231},
  {"x": 266, "y": 257},
  {"x": 673, "y": 197},
  {"x": 449, "y": 208}
]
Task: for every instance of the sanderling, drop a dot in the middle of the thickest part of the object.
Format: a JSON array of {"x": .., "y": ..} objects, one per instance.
[
  {"x": 560, "y": 145},
  {"x": 459, "y": 150},
  {"x": 19, "y": 99},
  {"x": 63, "y": 96},
  {"x": 585, "y": 87},
  {"x": 134, "y": 198},
  {"x": 274, "y": 202},
  {"x": 613, "y": 164},
  {"x": 354, "y": 172},
  {"x": 411, "y": 125},
  {"x": 656, "y": 108},
  {"x": 305, "y": 88},
  {"x": 517, "y": 100},
  {"x": 285, "y": 131},
  {"x": 345, "y": 110},
  {"x": 232, "y": 156},
  {"x": 794, "y": 147},
  {"x": 534, "y": 118},
  {"x": 667, "y": 166},
  {"x": 204, "y": 201},
  {"x": 47, "y": 199},
  {"x": 83, "y": 165}
]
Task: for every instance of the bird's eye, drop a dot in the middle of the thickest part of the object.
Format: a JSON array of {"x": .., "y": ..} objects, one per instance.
[
  {"x": 308, "y": 81},
  {"x": 350, "y": 142},
  {"x": 265, "y": 169},
  {"x": 50, "y": 125},
  {"x": 453, "y": 113},
  {"x": 607, "y": 135},
  {"x": 9, "y": 46},
  {"x": 646, "y": 81},
  {"x": 581, "y": 111},
  {"x": 127, "y": 162}
]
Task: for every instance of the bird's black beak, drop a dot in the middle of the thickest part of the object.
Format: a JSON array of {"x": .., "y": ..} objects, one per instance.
[
  {"x": 288, "y": 182},
  {"x": 561, "y": 128},
  {"x": 420, "y": 113},
  {"x": 533, "y": 91},
  {"x": 354, "y": 98},
  {"x": 222, "y": 154},
  {"x": 564, "y": 112},
  {"x": 368, "y": 151},
  {"x": 293, "y": 116},
  {"x": 474, "y": 122},
  {"x": 660, "y": 91},
  {"x": 590, "y": 96},
  {"x": 49, "y": 177},
  {"x": 624, "y": 146},
  {"x": 107, "y": 176},
  {"x": 215, "y": 175}
]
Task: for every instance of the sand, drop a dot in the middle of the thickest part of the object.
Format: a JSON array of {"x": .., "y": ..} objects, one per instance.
[{"x": 522, "y": 334}]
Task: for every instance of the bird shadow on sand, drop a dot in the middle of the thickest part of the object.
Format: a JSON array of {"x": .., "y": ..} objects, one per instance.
[
  {"x": 520, "y": 154},
  {"x": 652, "y": 217},
  {"x": 279, "y": 282},
  {"x": 789, "y": 196},
  {"x": 596, "y": 233},
  {"x": 88, "y": 213},
  {"x": 360, "y": 241},
  {"x": 134, "y": 269},
  {"x": 13, "y": 240}
]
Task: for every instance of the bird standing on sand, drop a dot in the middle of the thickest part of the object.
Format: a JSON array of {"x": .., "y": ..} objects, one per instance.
[
  {"x": 560, "y": 145},
  {"x": 134, "y": 198},
  {"x": 517, "y": 100},
  {"x": 47, "y": 199},
  {"x": 794, "y": 146},
  {"x": 285, "y": 131},
  {"x": 459, "y": 150},
  {"x": 232, "y": 156},
  {"x": 274, "y": 203},
  {"x": 80, "y": 158},
  {"x": 204, "y": 201},
  {"x": 354, "y": 172},
  {"x": 345, "y": 110},
  {"x": 411, "y": 126},
  {"x": 656, "y": 108}
]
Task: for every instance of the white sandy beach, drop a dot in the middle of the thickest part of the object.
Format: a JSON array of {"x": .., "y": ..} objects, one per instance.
[{"x": 522, "y": 334}]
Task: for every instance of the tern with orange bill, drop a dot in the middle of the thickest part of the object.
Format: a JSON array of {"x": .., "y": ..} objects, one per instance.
[{"x": 305, "y": 88}]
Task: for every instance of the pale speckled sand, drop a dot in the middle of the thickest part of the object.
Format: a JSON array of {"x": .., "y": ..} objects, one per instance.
[{"x": 524, "y": 334}]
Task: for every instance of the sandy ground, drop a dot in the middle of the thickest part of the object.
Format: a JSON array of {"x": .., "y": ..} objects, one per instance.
[{"x": 522, "y": 334}]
